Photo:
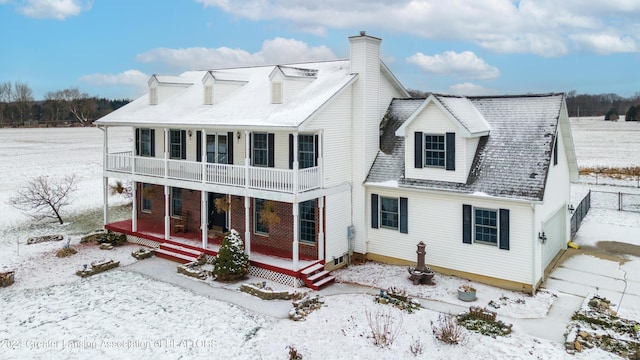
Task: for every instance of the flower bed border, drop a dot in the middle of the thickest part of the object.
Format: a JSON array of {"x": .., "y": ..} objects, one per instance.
[{"x": 98, "y": 267}]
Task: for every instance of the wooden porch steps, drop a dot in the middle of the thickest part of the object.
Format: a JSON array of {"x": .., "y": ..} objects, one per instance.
[
  {"x": 177, "y": 253},
  {"x": 316, "y": 276}
]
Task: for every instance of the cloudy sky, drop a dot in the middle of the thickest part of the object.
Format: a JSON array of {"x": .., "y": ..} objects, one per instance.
[{"x": 109, "y": 48}]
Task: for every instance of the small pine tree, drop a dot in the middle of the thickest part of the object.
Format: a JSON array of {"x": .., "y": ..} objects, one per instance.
[
  {"x": 231, "y": 263},
  {"x": 633, "y": 114},
  {"x": 611, "y": 115}
]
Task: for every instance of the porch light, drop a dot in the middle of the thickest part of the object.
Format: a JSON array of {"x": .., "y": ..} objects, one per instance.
[
  {"x": 189, "y": 133},
  {"x": 570, "y": 208},
  {"x": 238, "y": 135}
]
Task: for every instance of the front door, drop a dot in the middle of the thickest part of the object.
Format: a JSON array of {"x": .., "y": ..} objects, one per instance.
[{"x": 217, "y": 219}]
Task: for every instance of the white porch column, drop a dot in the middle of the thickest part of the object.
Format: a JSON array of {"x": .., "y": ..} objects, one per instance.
[
  {"x": 295, "y": 206},
  {"x": 320, "y": 159},
  {"x": 167, "y": 219},
  {"x": 247, "y": 223},
  {"x": 134, "y": 206},
  {"x": 166, "y": 152},
  {"x": 247, "y": 231},
  {"x": 105, "y": 196},
  {"x": 105, "y": 179},
  {"x": 296, "y": 175},
  {"x": 204, "y": 198},
  {"x": 203, "y": 218},
  {"x": 167, "y": 213},
  {"x": 321, "y": 229},
  {"x": 296, "y": 232}
]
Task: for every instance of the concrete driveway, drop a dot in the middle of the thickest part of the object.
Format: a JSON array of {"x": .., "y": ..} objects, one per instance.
[{"x": 591, "y": 270}]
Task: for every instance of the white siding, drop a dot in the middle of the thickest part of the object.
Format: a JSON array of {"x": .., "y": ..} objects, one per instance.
[
  {"x": 557, "y": 196},
  {"x": 338, "y": 210},
  {"x": 335, "y": 121},
  {"x": 433, "y": 121},
  {"x": 281, "y": 150},
  {"x": 365, "y": 60},
  {"x": 436, "y": 219},
  {"x": 239, "y": 148}
]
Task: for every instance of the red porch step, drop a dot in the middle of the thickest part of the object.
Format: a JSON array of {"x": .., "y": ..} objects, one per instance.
[
  {"x": 316, "y": 276},
  {"x": 177, "y": 253}
]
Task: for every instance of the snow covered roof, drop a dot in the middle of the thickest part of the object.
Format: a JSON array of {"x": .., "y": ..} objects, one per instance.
[
  {"x": 511, "y": 162},
  {"x": 459, "y": 109},
  {"x": 291, "y": 71},
  {"x": 248, "y": 106},
  {"x": 171, "y": 79}
]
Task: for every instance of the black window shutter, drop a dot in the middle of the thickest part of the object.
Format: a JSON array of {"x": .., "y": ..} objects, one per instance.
[
  {"x": 466, "y": 224},
  {"x": 137, "y": 142},
  {"x": 504, "y": 229},
  {"x": 250, "y": 155},
  {"x": 450, "y": 144},
  {"x": 418, "y": 149},
  {"x": 183, "y": 144},
  {"x": 404, "y": 215},
  {"x": 290, "y": 151},
  {"x": 230, "y": 147},
  {"x": 316, "y": 149},
  {"x": 270, "y": 143},
  {"x": 198, "y": 145},
  {"x": 153, "y": 142},
  {"x": 374, "y": 211}
]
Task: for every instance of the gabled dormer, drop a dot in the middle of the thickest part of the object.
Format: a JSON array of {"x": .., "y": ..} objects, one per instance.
[
  {"x": 162, "y": 87},
  {"x": 217, "y": 85},
  {"x": 441, "y": 138},
  {"x": 287, "y": 81}
]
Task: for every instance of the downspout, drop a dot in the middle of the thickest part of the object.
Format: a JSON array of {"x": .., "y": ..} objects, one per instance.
[{"x": 533, "y": 249}]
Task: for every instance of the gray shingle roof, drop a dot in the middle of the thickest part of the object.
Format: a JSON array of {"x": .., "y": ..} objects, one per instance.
[{"x": 511, "y": 162}]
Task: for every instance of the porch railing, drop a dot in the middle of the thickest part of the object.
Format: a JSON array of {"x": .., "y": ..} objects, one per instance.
[{"x": 272, "y": 179}]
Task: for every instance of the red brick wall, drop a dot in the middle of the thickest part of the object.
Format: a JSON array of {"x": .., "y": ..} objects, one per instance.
[
  {"x": 280, "y": 239},
  {"x": 190, "y": 202}
]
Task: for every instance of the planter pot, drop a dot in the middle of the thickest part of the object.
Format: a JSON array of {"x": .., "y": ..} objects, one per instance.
[{"x": 466, "y": 295}]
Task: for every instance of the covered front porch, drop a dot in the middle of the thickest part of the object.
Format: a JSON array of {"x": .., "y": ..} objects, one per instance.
[{"x": 188, "y": 243}]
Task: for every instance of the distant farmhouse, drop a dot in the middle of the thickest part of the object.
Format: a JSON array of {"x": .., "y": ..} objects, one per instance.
[{"x": 314, "y": 163}]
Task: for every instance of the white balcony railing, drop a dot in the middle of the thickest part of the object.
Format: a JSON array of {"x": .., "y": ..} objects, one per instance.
[{"x": 281, "y": 180}]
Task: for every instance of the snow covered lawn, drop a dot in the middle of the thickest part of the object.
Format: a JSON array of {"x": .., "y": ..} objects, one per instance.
[{"x": 51, "y": 313}]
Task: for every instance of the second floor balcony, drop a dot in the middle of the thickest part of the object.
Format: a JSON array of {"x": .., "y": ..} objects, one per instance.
[{"x": 241, "y": 176}]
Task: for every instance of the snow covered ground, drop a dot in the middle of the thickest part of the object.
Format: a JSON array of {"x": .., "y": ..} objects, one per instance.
[{"x": 124, "y": 313}]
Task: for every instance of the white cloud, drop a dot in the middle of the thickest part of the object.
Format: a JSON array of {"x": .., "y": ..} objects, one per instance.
[
  {"x": 275, "y": 51},
  {"x": 469, "y": 89},
  {"x": 54, "y": 9},
  {"x": 464, "y": 65},
  {"x": 605, "y": 44},
  {"x": 542, "y": 27},
  {"x": 130, "y": 78}
]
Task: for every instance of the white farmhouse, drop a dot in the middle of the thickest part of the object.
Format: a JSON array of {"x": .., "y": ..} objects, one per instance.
[{"x": 315, "y": 162}]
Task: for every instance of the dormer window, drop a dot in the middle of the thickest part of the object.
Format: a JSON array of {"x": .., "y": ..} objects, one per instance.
[
  {"x": 153, "y": 96},
  {"x": 276, "y": 92},
  {"x": 435, "y": 150},
  {"x": 208, "y": 94}
]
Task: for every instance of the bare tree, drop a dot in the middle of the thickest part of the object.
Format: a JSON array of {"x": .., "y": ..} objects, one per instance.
[
  {"x": 42, "y": 198},
  {"x": 80, "y": 104},
  {"x": 23, "y": 98},
  {"x": 55, "y": 104},
  {"x": 5, "y": 98}
]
